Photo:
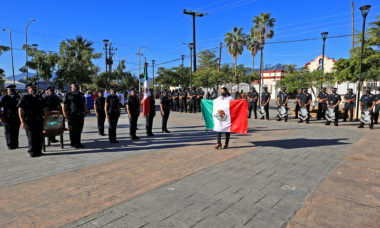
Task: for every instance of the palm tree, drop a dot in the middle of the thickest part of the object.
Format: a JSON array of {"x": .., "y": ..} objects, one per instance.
[
  {"x": 235, "y": 42},
  {"x": 253, "y": 45},
  {"x": 264, "y": 24}
]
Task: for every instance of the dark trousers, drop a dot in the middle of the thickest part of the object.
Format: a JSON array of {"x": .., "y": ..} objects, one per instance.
[
  {"x": 193, "y": 105},
  {"x": 75, "y": 124},
  {"x": 199, "y": 100},
  {"x": 297, "y": 109},
  {"x": 266, "y": 109},
  {"x": 183, "y": 105},
  {"x": 11, "y": 131},
  {"x": 376, "y": 114},
  {"x": 252, "y": 105},
  {"x": 176, "y": 105},
  {"x": 321, "y": 114},
  {"x": 35, "y": 138},
  {"x": 165, "y": 118},
  {"x": 149, "y": 123},
  {"x": 336, "y": 111},
  {"x": 101, "y": 118},
  {"x": 112, "y": 125},
  {"x": 219, "y": 138},
  {"x": 133, "y": 124},
  {"x": 348, "y": 107}
]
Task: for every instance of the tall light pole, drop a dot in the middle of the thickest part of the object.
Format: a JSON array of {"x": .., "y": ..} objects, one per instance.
[
  {"x": 105, "y": 41},
  {"x": 364, "y": 10},
  {"x": 153, "y": 61},
  {"x": 13, "y": 68},
  {"x": 140, "y": 54},
  {"x": 190, "y": 45},
  {"x": 194, "y": 14},
  {"x": 324, "y": 37},
  {"x": 182, "y": 58},
  {"x": 26, "y": 47},
  {"x": 261, "y": 47},
  {"x": 35, "y": 47}
]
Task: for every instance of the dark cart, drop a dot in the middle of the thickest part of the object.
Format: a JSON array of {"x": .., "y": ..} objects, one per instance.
[{"x": 54, "y": 126}]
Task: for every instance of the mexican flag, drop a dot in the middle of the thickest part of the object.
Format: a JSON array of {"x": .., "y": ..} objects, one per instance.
[
  {"x": 225, "y": 115},
  {"x": 146, "y": 100}
]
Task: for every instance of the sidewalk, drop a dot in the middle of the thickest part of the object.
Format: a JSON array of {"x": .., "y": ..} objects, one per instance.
[{"x": 173, "y": 180}]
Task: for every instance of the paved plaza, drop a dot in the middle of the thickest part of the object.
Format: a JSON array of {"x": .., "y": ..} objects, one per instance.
[{"x": 278, "y": 175}]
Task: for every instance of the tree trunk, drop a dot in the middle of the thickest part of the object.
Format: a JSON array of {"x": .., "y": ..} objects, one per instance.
[
  {"x": 236, "y": 81},
  {"x": 253, "y": 63}
]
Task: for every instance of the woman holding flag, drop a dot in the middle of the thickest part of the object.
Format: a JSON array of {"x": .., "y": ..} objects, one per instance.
[{"x": 224, "y": 114}]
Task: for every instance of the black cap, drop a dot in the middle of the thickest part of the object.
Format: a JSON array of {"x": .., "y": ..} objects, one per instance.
[
  {"x": 11, "y": 86},
  {"x": 132, "y": 89},
  {"x": 101, "y": 91},
  {"x": 283, "y": 87},
  {"x": 334, "y": 88},
  {"x": 52, "y": 88},
  {"x": 350, "y": 89},
  {"x": 113, "y": 88}
]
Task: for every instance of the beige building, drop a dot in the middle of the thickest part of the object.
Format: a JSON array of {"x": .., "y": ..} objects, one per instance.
[{"x": 316, "y": 64}]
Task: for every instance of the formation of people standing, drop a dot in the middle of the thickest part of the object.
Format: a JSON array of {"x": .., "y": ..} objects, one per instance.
[{"x": 30, "y": 111}]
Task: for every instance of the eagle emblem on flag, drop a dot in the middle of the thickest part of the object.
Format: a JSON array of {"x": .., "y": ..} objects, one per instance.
[{"x": 220, "y": 115}]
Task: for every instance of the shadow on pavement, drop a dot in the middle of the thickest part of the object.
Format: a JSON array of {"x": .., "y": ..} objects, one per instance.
[{"x": 300, "y": 143}]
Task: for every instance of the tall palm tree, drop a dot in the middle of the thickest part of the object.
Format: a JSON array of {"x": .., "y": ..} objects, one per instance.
[
  {"x": 264, "y": 24},
  {"x": 253, "y": 45},
  {"x": 235, "y": 42}
]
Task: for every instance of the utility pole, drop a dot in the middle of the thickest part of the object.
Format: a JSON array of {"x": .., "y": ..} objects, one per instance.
[
  {"x": 191, "y": 65},
  {"x": 353, "y": 28},
  {"x": 110, "y": 59},
  {"x": 13, "y": 68},
  {"x": 26, "y": 47},
  {"x": 194, "y": 14},
  {"x": 182, "y": 58},
  {"x": 220, "y": 56},
  {"x": 140, "y": 54},
  {"x": 153, "y": 61}
]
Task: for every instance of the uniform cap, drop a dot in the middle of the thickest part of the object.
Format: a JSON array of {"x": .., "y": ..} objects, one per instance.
[
  {"x": 52, "y": 88},
  {"x": 334, "y": 88},
  {"x": 350, "y": 89},
  {"x": 11, "y": 86},
  {"x": 283, "y": 87}
]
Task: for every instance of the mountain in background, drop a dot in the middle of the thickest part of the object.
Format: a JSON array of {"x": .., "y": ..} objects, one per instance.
[{"x": 22, "y": 76}]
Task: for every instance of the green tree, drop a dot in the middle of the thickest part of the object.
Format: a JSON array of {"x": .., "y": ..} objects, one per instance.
[
  {"x": 290, "y": 68},
  {"x": 253, "y": 45},
  {"x": 263, "y": 25},
  {"x": 44, "y": 63},
  {"x": 235, "y": 42},
  {"x": 348, "y": 69},
  {"x": 207, "y": 71},
  {"x": 3, "y": 49},
  {"x": 75, "y": 62}
]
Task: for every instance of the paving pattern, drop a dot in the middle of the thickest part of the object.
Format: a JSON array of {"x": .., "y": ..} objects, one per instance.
[{"x": 172, "y": 180}]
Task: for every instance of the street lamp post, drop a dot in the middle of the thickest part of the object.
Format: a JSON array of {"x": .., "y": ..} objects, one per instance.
[
  {"x": 35, "y": 47},
  {"x": 153, "y": 61},
  {"x": 13, "y": 69},
  {"x": 182, "y": 57},
  {"x": 364, "y": 10},
  {"x": 261, "y": 47},
  {"x": 26, "y": 47},
  {"x": 324, "y": 37},
  {"x": 106, "y": 50}
]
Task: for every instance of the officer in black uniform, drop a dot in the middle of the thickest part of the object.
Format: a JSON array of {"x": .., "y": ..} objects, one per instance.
[
  {"x": 53, "y": 103},
  {"x": 171, "y": 99},
  {"x": 176, "y": 101},
  {"x": 367, "y": 102},
  {"x": 183, "y": 101},
  {"x": 193, "y": 100},
  {"x": 304, "y": 101},
  {"x": 298, "y": 98},
  {"x": 265, "y": 99},
  {"x": 99, "y": 103},
  {"x": 9, "y": 116},
  {"x": 150, "y": 116},
  {"x": 200, "y": 96},
  {"x": 322, "y": 97},
  {"x": 133, "y": 108},
  {"x": 377, "y": 106},
  {"x": 33, "y": 113},
  {"x": 252, "y": 98},
  {"x": 74, "y": 109},
  {"x": 333, "y": 101},
  {"x": 112, "y": 109},
  {"x": 282, "y": 100},
  {"x": 165, "y": 111},
  {"x": 349, "y": 100}
]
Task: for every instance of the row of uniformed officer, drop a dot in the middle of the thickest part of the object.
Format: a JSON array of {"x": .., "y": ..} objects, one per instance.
[
  {"x": 304, "y": 99},
  {"x": 367, "y": 103},
  {"x": 333, "y": 101},
  {"x": 282, "y": 101},
  {"x": 264, "y": 101}
]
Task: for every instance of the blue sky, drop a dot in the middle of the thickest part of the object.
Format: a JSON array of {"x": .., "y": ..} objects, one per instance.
[{"x": 161, "y": 27}]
